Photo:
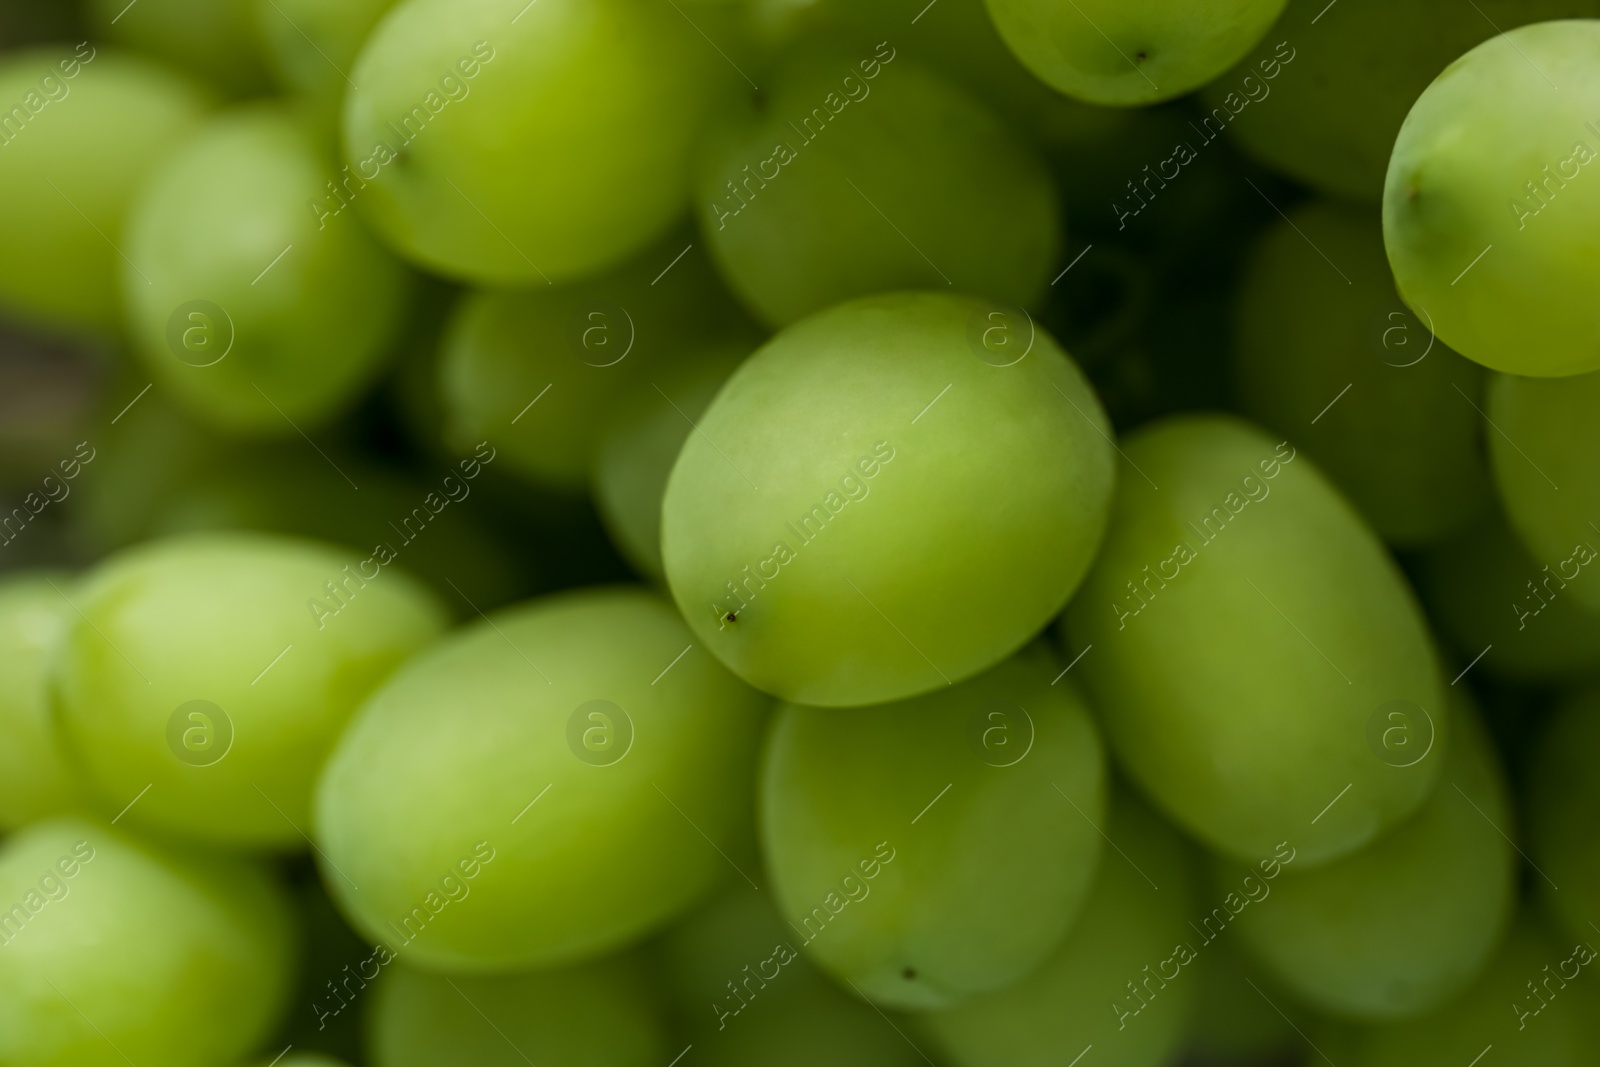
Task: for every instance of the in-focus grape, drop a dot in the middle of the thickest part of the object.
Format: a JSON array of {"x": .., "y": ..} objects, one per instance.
[
  {"x": 545, "y": 786},
  {"x": 202, "y": 680},
  {"x": 887, "y": 498},
  {"x": 1488, "y": 200}
]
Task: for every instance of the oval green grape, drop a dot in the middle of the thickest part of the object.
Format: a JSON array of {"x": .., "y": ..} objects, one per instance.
[
  {"x": 1402, "y": 445},
  {"x": 1546, "y": 463},
  {"x": 35, "y": 778},
  {"x": 480, "y": 168},
  {"x": 1131, "y": 53},
  {"x": 114, "y": 951},
  {"x": 92, "y": 124},
  {"x": 605, "y": 1013},
  {"x": 1243, "y": 587},
  {"x": 642, "y": 743},
  {"x": 207, "y": 677},
  {"x": 861, "y": 138},
  {"x": 863, "y": 451},
  {"x": 257, "y": 312},
  {"x": 1486, "y": 198},
  {"x": 1407, "y": 923},
  {"x": 1105, "y": 985},
  {"x": 1009, "y": 776}
]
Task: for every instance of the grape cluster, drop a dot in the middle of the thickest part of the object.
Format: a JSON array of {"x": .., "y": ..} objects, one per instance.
[{"x": 815, "y": 533}]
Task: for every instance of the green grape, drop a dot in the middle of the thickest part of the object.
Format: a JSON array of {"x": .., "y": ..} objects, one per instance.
[
  {"x": 258, "y": 312},
  {"x": 1404, "y": 445},
  {"x": 639, "y": 444},
  {"x": 645, "y": 745},
  {"x": 1234, "y": 1023},
  {"x": 92, "y": 123},
  {"x": 518, "y": 187},
  {"x": 1106, "y": 985},
  {"x": 34, "y": 779},
  {"x": 1546, "y": 462},
  {"x": 1563, "y": 806},
  {"x": 538, "y": 370},
  {"x": 311, "y": 45},
  {"x": 1129, "y": 53},
  {"x": 1405, "y": 924},
  {"x": 1354, "y": 72},
  {"x": 113, "y": 951},
  {"x": 604, "y": 1013},
  {"x": 1283, "y": 634},
  {"x": 290, "y": 489},
  {"x": 921, "y": 187},
  {"x": 202, "y": 679},
  {"x": 1486, "y": 592},
  {"x": 213, "y": 38},
  {"x": 972, "y": 541},
  {"x": 1551, "y": 1021},
  {"x": 1488, "y": 150},
  {"x": 743, "y": 993},
  {"x": 1009, "y": 776}
]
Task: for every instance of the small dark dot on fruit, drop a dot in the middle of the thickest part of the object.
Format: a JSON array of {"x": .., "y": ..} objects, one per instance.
[
  {"x": 731, "y": 617},
  {"x": 1140, "y": 56},
  {"x": 910, "y": 974}
]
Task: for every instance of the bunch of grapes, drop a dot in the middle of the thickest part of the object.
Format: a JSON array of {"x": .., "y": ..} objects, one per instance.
[{"x": 815, "y": 533}]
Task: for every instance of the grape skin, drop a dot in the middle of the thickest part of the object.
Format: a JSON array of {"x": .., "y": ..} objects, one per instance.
[
  {"x": 613, "y": 851},
  {"x": 1131, "y": 52},
  {"x": 226, "y": 618},
  {"x": 142, "y": 951},
  {"x": 831, "y": 406},
  {"x": 1405, "y": 924},
  {"x": 1293, "y": 604},
  {"x": 1487, "y": 195},
  {"x": 307, "y": 306},
  {"x": 834, "y": 783},
  {"x": 1546, "y": 463}
]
